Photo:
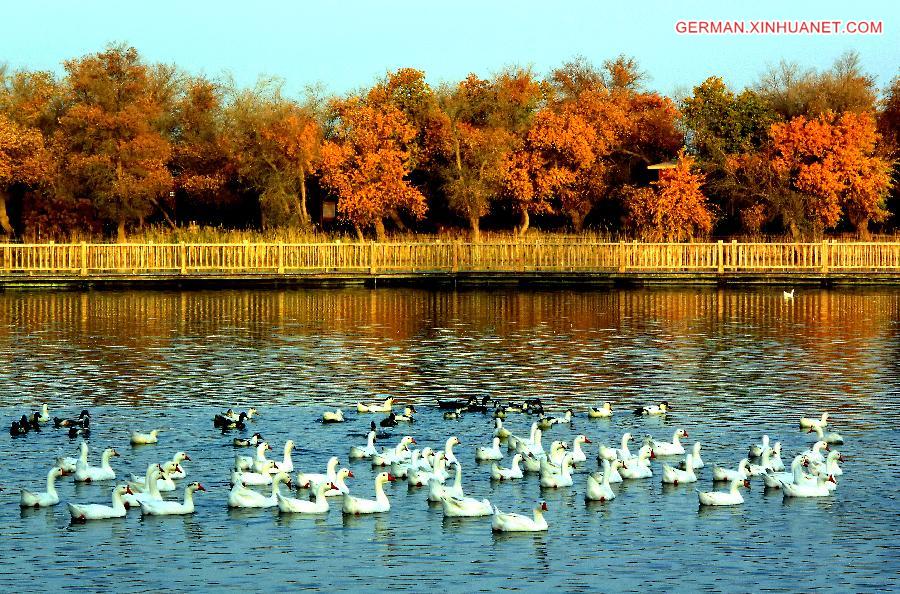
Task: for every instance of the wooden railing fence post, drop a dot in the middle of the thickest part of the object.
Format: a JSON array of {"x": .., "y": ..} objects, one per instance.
[
  {"x": 372, "y": 267},
  {"x": 623, "y": 262},
  {"x": 824, "y": 256},
  {"x": 182, "y": 257},
  {"x": 455, "y": 256},
  {"x": 84, "y": 262},
  {"x": 280, "y": 262},
  {"x": 720, "y": 257}
]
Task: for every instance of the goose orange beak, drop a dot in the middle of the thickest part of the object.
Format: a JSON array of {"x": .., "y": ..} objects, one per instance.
[
  {"x": 543, "y": 506},
  {"x": 200, "y": 487},
  {"x": 391, "y": 478},
  {"x": 350, "y": 474},
  {"x": 128, "y": 490},
  {"x": 188, "y": 458},
  {"x": 587, "y": 440}
]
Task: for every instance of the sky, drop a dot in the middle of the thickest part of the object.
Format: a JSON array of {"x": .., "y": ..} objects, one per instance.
[{"x": 347, "y": 44}]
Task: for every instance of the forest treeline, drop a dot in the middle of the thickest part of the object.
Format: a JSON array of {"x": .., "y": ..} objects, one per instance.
[{"x": 117, "y": 143}]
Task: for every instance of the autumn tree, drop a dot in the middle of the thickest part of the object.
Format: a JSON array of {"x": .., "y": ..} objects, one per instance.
[
  {"x": 112, "y": 148},
  {"x": 274, "y": 143},
  {"x": 673, "y": 208},
  {"x": 831, "y": 161},
  {"x": 200, "y": 162},
  {"x": 24, "y": 161},
  {"x": 366, "y": 161},
  {"x": 482, "y": 124},
  {"x": 791, "y": 91}
]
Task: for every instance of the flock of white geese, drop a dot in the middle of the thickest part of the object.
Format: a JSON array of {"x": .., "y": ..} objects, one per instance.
[{"x": 812, "y": 473}]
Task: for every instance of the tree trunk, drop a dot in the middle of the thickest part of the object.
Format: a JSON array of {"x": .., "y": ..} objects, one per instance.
[
  {"x": 5, "y": 224},
  {"x": 121, "y": 231},
  {"x": 795, "y": 230},
  {"x": 862, "y": 228},
  {"x": 379, "y": 230},
  {"x": 301, "y": 203},
  {"x": 524, "y": 221},
  {"x": 359, "y": 233},
  {"x": 577, "y": 221},
  {"x": 474, "y": 227},
  {"x": 395, "y": 217}
]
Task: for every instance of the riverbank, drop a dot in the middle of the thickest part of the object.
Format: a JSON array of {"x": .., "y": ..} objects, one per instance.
[{"x": 449, "y": 263}]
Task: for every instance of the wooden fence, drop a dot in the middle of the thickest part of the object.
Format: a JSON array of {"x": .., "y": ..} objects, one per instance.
[{"x": 82, "y": 259}]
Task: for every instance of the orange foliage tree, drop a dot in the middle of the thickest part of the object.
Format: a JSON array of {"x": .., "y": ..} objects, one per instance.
[
  {"x": 674, "y": 208},
  {"x": 109, "y": 137},
  {"x": 365, "y": 163},
  {"x": 831, "y": 161},
  {"x": 23, "y": 161}
]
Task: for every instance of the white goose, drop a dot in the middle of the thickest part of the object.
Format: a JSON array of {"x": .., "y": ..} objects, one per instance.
[
  {"x": 286, "y": 464},
  {"x": 151, "y": 492},
  {"x": 514, "y": 442},
  {"x": 400, "y": 469},
  {"x": 698, "y": 461},
  {"x": 535, "y": 462},
  {"x": 319, "y": 505},
  {"x": 730, "y": 497},
  {"x": 87, "y": 474},
  {"x": 815, "y": 452},
  {"x": 830, "y": 466},
  {"x": 600, "y": 491},
  {"x": 726, "y": 474},
  {"x": 756, "y": 449},
  {"x": 775, "y": 462},
  {"x": 44, "y": 417},
  {"x": 69, "y": 464},
  {"x": 553, "y": 480},
  {"x": 507, "y": 522},
  {"x": 43, "y": 498},
  {"x": 506, "y": 474},
  {"x": 578, "y": 455},
  {"x": 365, "y": 452},
  {"x": 807, "y": 423},
  {"x": 335, "y": 416},
  {"x": 501, "y": 431},
  {"x": 407, "y": 416},
  {"x": 338, "y": 486},
  {"x": 178, "y": 459},
  {"x": 173, "y": 508},
  {"x": 254, "y": 462},
  {"x": 437, "y": 490},
  {"x": 676, "y": 476},
  {"x": 449, "y": 456},
  {"x": 817, "y": 489},
  {"x": 94, "y": 511},
  {"x": 400, "y": 452},
  {"x": 356, "y": 505},
  {"x": 603, "y": 412},
  {"x": 250, "y": 478},
  {"x": 466, "y": 507},
  {"x": 384, "y": 407},
  {"x": 614, "y": 476},
  {"x": 621, "y": 453},
  {"x": 241, "y": 496},
  {"x": 774, "y": 480},
  {"x": 420, "y": 477},
  {"x": 830, "y": 438},
  {"x": 163, "y": 482},
  {"x": 305, "y": 480},
  {"x": 637, "y": 468},
  {"x": 491, "y": 453},
  {"x": 673, "y": 448},
  {"x": 547, "y": 422},
  {"x": 138, "y": 438}
]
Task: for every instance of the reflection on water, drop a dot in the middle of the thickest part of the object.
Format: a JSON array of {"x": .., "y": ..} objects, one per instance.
[{"x": 734, "y": 364}]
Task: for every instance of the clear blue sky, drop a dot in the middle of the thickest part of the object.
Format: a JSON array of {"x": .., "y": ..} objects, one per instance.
[{"x": 348, "y": 43}]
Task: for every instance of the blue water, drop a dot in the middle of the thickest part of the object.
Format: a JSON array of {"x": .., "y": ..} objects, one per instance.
[{"x": 734, "y": 365}]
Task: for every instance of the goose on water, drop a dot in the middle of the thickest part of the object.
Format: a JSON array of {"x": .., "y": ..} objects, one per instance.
[
  {"x": 84, "y": 512},
  {"x": 173, "y": 508},
  {"x": 756, "y": 449},
  {"x": 356, "y": 505},
  {"x": 241, "y": 496},
  {"x": 319, "y": 505},
  {"x": 600, "y": 490},
  {"x": 654, "y": 409},
  {"x": 726, "y": 474},
  {"x": 510, "y": 522},
  {"x": 676, "y": 476},
  {"x": 817, "y": 489},
  {"x": 305, "y": 480},
  {"x": 43, "y": 498},
  {"x": 466, "y": 507},
  {"x": 807, "y": 422},
  {"x": 384, "y": 407},
  {"x": 601, "y": 412},
  {"x": 673, "y": 448},
  {"x": 698, "y": 461},
  {"x": 85, "y": 473},
  {"x": 437, "y": 490},
  {"x": 491, "y": 453},
  {"x": 252, "y": 441},
  {"x": 506, "y": 474},
  {"x": 138, "y": 438},
  {"x": 612, "y": 472},
  {"x": 365, "y": 452},
  {"x": 730, "y": 497},
  {"x": 637, "y": 468},
  {"x": 831, "y": 438}
]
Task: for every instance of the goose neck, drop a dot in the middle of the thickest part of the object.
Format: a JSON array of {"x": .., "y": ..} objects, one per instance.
[
  {"x": 380, "y": 496},
  {"x": 104, "y": 460},
  {"x": 51, "y": 482}
]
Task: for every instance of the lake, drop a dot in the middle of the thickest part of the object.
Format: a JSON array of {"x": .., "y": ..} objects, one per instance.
[{"x": 733, "y": 364}]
